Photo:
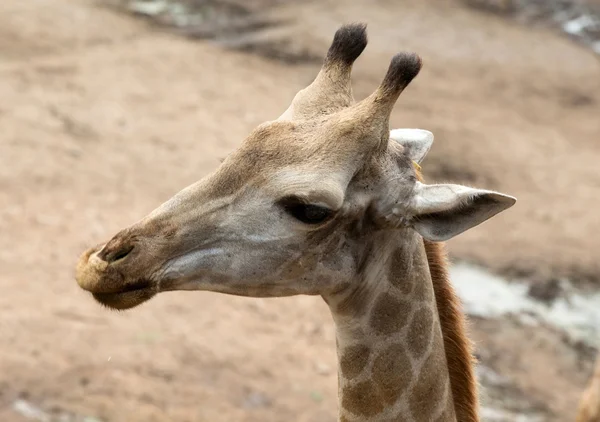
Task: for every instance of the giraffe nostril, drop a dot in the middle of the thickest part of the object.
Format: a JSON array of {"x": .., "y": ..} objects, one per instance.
[
  {"x": 111, "y": 255},
  {"x": 122, "y": 253}
]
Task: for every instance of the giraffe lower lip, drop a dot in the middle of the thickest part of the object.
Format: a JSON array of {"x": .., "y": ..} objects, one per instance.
[
  {"x": 126, "y": 299},
  {"x": 132, "y": 287}
]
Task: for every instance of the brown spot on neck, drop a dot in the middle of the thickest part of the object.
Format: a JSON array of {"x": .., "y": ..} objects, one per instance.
[
  {"x": 353, "y": 360},
  {"x": 362, "y": 399},
  {"x": 427, "y": 397},
  {"x": 420, "y": 332},
  {"x": 389, "y": 315},
  {"x": 392, "y": 372}
]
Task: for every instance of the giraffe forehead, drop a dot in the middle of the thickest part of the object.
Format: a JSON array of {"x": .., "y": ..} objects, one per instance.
[
  {"x": 312, "y": 159},
  {"x": 333, "y": 139}
]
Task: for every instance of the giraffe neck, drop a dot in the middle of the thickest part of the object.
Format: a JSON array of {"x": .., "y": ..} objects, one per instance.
[{"x": 391, "y": 359}]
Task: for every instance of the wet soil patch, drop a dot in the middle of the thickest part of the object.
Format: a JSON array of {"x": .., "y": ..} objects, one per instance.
[{"x": 239, "y": 25}]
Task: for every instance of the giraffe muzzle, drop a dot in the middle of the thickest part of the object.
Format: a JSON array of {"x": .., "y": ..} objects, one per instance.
[{"x": 112, "y": 274}]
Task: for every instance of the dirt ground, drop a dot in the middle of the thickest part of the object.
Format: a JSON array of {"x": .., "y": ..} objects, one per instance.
[{"x": 103, "y": 117}]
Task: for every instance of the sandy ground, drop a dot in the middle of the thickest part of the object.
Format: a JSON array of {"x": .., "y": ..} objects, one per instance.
[{"x": 103, "y": 117}]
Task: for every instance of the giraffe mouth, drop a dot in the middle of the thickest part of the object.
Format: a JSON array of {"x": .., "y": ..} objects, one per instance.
[{"x": 133, "y": 295}]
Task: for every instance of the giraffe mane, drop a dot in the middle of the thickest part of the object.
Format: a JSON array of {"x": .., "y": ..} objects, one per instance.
[{"x": 457, "y": 346}]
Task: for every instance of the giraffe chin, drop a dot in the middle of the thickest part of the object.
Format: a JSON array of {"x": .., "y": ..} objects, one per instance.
[{"x": 125, "y": 300}]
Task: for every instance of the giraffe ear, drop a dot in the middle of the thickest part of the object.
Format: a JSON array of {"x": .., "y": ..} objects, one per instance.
[
  {"x": 416, "y": 142},
  {"x": 440, "y": 212}
]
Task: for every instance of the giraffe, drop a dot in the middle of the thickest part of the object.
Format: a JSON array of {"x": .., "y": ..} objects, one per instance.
[
  {"x": 326, "y": 200},
  {"x": 589, "y": 405}
]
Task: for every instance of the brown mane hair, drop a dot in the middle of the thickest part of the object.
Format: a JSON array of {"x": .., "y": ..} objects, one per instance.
[{"x": 458, "y": 347}]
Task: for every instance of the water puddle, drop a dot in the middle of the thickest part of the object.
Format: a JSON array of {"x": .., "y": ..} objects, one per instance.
[
  {"x": 580, "y": 20},
  {"x": 490, "y": 296},
  {"x": 32, "y": 412}
]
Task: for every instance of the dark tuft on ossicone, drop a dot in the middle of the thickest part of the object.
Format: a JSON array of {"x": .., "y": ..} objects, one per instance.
[
  {"x": 348, "y": 43},
  {"x": 403, "y": 69}
]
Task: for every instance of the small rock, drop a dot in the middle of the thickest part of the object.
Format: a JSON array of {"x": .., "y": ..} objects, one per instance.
[
  {"x": 322, "y": 368},
  {"x": 255, "y": 400}
]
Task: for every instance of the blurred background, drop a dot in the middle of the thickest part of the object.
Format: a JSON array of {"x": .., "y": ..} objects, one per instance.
[{"x": 108, "y": 108}]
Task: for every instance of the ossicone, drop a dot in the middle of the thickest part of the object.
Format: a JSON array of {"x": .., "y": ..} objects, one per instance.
[
  {"x": 331, "y": 91},
  {"x": 403, "y": 68},
  {"x": 348, "y": 43}
]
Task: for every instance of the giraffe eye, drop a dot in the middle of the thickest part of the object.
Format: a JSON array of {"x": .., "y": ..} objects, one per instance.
[{"x": 306, "y": 213}]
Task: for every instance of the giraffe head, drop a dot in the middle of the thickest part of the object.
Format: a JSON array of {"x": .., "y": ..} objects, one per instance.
[{"x": 277, "y": 216}]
